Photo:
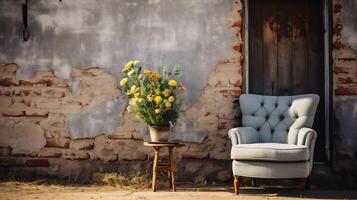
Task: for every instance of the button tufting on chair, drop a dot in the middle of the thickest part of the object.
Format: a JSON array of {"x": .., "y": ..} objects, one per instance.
[{"x": 280, "y": 154}]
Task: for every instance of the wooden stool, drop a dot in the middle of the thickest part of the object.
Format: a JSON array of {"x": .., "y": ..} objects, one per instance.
[{"x": 169, "y": 166}]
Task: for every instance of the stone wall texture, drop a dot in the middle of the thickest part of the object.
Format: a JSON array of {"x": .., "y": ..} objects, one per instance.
[
  {"x": 344, "y": 55},
  {"x": 36, "y": 114}
]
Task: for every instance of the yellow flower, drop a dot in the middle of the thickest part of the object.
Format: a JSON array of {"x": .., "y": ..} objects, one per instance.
[
  {"x": 172, "y": 83},
  {"x": 166, "y": 93},
  {"x": 133, "y": 90},
  {"x": 136, "y": 62},
  {"x": 123, "y": 81},
  {"x": 156, "y": 76},
  {"x": 157, "y": 91},
  {"x": 157, "y": 111},
  {"x": 158, "y": 99},
  {"x": 171, "y": 99},
  {"x": 131, "y": 72},
  {"x": 168, "y": 104},
  {"x": 133, "y": 101},
  {"x": 147, "y": 72},
  {"x": 149, "y": 97},
  {"x": 127, "y": 66},
  {"x": 140, "y": 100},
  {"x": 136, "y": 94}
]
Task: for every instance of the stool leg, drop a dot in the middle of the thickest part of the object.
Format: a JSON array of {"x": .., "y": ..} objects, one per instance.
[
  {"x": 170, "y": 178},
  {"x": 169, "y": 169},
  {"x": 155, "y": 168},
  {"x": 172, "y": 169}
]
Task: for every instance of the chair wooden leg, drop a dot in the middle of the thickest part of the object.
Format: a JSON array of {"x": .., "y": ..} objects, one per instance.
[
  {"x": 236, "y": 185},
  {"x": 302, "y": 188}
]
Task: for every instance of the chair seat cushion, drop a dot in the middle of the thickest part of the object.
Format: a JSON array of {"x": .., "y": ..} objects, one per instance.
[{"x": 276, "y": 152}]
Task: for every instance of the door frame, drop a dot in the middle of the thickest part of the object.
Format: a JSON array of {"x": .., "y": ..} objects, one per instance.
[{"x": 327, "y": 25}]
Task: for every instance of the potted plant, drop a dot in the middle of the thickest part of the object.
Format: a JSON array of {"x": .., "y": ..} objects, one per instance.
[{"x": 153, "y": 97}]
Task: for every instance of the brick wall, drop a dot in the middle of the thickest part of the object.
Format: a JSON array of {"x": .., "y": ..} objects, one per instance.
[
  {"x": 34, "y": 113},
  {"x": 344, "y": 138}
]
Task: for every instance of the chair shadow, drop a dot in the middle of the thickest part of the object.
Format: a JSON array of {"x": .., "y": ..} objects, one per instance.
[{"x": 276, "y": 192}]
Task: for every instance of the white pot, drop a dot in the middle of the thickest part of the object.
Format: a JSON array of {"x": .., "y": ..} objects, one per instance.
[{"x": 159, "y": 133}]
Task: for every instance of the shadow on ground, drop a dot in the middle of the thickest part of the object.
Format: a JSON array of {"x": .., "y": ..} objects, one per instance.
[{"x": 276, "y": 192}]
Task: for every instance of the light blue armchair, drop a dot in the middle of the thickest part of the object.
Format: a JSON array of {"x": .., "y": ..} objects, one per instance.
[{"x": 276, "y": 140}]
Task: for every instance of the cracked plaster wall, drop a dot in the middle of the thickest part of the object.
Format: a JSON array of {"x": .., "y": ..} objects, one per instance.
[{"x": 55, "y": 86}]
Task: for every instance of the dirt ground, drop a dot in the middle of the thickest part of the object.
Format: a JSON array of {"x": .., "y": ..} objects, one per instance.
[{"x": 34, "y": 190}]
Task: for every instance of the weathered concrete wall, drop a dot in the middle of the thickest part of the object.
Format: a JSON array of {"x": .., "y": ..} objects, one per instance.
[
  {"x": 344, "y": 137},
  {"x": 89, "y": 33},
  {"x": 76, "y": 114}
]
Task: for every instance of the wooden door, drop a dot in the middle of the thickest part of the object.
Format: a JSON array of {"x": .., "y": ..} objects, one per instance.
[{"x": 286, "y": 53}]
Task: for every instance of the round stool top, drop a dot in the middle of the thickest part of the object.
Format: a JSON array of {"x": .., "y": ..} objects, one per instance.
[{"x": 163, "y": 144}]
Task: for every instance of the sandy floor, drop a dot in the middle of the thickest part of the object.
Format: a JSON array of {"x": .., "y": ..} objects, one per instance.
[{"x": 32, "y": 191}]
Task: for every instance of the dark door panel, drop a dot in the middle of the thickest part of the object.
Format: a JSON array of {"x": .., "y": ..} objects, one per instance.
[{"x": 286, "y": 53}]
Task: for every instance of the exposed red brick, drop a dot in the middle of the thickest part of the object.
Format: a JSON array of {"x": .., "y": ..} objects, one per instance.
[
  {"x": 8, "y": 82},
  {"x": 338, "y": 45},
  {"x": 237, "y": 23},
  {"x": 342, "y": 70},
  {"x": 10, "y": 162},
  {"x": 14, "y": 114},
  {"x": 337, "y": 29},
  {"x": 231, "y": 93},
  {"x": 53, "y": 92},
  {"x": 46, "y": 82},
  {"x": 237, "y": 47},
  {"x": 89, "y": 147},
  {"x": 52, "y": 143},
  {"x": 346, "y": 59},
  {"x": 221, "y": 125},
  {"x": 31, "y": 113},
  {"x": 26, "y": 92},
  {"x": 337, "y": 8},
  {"x": 238, "y": 83},
  {"x": 345, "y": 91},
  {"x": 195, "y": 155},
  {"x": 37, "y": 163},
  {"x": 346, "y": 80},
  {"x": 236, "y": 93}
]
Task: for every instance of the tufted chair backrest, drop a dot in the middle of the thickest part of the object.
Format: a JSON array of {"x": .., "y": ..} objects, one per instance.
[{"x": 278, "y": 118}]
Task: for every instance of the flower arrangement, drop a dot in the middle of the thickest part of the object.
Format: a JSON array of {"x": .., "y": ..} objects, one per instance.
[{"x": 153, "y": 95}]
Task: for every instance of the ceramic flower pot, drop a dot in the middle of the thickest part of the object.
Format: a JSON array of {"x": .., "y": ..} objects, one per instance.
[{"x": 159, "y": 133}]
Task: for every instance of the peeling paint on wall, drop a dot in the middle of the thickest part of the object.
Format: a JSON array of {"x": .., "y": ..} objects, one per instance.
[
  {"x": 102, "y": 120},
  {"x": 107, "y": 33},
  {"x": 349, "y": 31}
]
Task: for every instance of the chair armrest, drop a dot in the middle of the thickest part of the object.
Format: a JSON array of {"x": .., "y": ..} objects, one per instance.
[
  {"x": 307, "y": 137},
  {"x": 243, "y": 135}
]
